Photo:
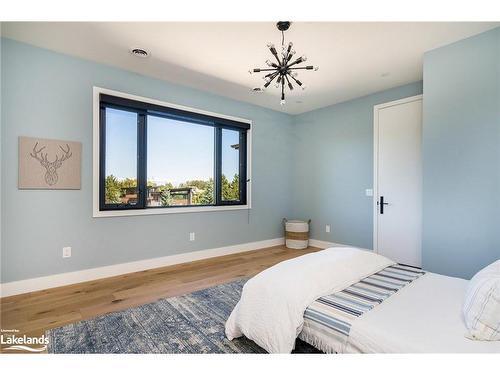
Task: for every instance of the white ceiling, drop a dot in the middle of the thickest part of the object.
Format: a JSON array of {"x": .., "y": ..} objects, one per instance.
[{"x": 355, "y": 59}]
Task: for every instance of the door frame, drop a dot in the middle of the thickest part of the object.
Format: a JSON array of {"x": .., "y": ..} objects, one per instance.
[{"x": 376, "y": 110}]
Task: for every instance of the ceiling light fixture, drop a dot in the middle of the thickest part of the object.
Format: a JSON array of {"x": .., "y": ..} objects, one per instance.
[{"x": 284, "y": 69}]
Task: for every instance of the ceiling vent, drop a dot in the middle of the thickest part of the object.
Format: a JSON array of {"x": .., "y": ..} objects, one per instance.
[{"x": 139, "y": 52}]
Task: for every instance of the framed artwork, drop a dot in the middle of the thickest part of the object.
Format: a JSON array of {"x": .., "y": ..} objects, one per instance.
[{"x": 49, "y": 164}]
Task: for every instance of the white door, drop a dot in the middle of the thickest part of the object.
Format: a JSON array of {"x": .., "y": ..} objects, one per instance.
[{"x": 398, "y": 180}]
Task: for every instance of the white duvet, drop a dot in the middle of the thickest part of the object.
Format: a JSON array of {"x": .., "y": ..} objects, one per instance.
[
  {"x": 270, "y": 311},
  {"x": 423, "y": 317}
]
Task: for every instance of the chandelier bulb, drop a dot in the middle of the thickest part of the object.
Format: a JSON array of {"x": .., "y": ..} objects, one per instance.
[
  {"x": 270, "y": 45},
  {"x": 303, "y": 58},
  {"x": 250, "y": 71},
  {"x": 282, "y": 102},
  {"x": 316, "y": 68},
  {"x": 269, "y": 62},
  {"x": 292, "y": 52},
  {"x": 303, "y": 87}
]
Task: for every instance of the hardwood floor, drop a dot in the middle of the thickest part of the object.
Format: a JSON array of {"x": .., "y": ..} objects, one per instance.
[{"x": 33, "y": 313}]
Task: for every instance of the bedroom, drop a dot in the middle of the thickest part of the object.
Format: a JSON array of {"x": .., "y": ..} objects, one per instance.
[{"x": 250, "y": 187}]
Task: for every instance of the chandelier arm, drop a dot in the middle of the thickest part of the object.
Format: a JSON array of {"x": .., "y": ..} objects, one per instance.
[
  {"x": 309, "y": 67},
  {"x": 266, "y": 85},
  {"x": 264, "y": 70},
  {"x": 288, "y": 81},
  {"x": 275, "y": 54},
  {"x": 296, "y": 81},
  {"x": 282, "y": 89},
  {"x": 298, "y": 61},
  {"x": 274, "y": 75},
  {"x": 277, "y": 58},
  {"x": 270, "y": 74},
  {"x": 286, "y": 59},
  {"x": 289, "y": 53}
]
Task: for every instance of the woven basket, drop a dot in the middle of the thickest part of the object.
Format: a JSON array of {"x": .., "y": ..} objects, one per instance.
[{"x": 296, "y": 233}]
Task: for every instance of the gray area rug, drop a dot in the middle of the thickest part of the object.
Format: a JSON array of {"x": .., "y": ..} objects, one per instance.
[{"x": 193, "y": 323}]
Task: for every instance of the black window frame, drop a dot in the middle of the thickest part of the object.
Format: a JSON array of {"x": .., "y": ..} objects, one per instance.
[{"x": 145, "y": 109}]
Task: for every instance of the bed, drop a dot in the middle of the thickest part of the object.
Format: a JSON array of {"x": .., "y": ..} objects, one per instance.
[
  {"x": 423, "y": 315},
  {"x": 381, "y": 308}
]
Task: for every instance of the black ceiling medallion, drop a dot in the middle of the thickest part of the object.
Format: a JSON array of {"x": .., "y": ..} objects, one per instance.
[{"x": 284, "y": 70}]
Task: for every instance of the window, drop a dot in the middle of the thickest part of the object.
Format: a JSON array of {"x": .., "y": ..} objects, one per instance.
[
  {"x": 159, "y": 157},
  {"x": 230, "y": 170},
  {"x": 120, "y": 159},
  {"x": 180, "y": 163}
]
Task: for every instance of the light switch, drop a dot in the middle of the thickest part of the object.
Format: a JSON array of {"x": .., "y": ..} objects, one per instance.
[{"x": 369, "y": 192}]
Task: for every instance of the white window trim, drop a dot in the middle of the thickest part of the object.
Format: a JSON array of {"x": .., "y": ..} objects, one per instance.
[{"x": 159, "y": 211}]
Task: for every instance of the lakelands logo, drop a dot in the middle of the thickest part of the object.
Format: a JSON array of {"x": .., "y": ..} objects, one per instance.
[{"x": 23, "y": 343}]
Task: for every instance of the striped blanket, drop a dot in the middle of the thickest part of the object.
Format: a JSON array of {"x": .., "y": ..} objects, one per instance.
[{"x": 328, "y": 320}]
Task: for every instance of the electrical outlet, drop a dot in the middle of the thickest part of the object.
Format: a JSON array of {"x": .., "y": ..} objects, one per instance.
[
  {"x": 327, "y": 228},
  {"x": 191, "y": 236},
  {"x": 66, "y": 252}
]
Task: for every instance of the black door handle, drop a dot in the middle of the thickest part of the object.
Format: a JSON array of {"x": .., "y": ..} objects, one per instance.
[{"x": 382, "y": 204}]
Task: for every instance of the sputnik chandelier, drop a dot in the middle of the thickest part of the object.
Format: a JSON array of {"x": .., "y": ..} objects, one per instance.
[{"x": 284, "y": 70}]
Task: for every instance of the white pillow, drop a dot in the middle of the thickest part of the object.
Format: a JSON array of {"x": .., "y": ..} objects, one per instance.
[{"x": 482, "y": 304}]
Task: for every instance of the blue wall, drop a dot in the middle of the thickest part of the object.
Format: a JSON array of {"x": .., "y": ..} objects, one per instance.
[
  {"x": 333, "y": 157},
  {"x": 461, "y": 150},
  {"x": 319, "y": 163},
  {"x": 46, "y": 94}
]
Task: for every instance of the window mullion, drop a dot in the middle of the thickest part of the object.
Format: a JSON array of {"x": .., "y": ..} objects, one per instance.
[
  {"x": 142, "y": 159},
  {"x": 243, "y": 168},
  {"x": 218, "y": 166},
  {"x": 102, "y": 158}
]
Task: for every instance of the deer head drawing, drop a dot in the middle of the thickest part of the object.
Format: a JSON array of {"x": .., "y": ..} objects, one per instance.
[{"x": 51, "y": 167}]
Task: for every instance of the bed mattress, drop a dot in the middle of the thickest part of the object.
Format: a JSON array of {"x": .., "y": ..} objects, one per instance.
[{"x": 400, "y": 309}]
